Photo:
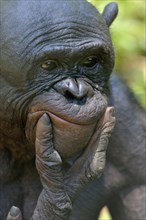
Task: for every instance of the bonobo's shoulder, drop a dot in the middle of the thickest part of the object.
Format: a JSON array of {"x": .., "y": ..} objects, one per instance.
[{"x": 5, "y": 163}]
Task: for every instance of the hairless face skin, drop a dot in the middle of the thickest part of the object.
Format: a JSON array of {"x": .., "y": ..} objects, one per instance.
[
  {"x": 56, "y": 61},
  {"x": 59, "y": 65}
]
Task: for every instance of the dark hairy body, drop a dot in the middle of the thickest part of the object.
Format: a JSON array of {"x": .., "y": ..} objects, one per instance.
[{"x": 56, "y": 120}]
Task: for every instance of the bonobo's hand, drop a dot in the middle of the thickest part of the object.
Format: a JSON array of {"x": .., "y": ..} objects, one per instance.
[{"x": 60, "y": 187}]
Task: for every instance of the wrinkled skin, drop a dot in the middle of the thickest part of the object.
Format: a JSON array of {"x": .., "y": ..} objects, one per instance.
[
  {"x": 54, "y": 105},
  {"x": 68, "y": 88},
  {"x": 54, "y": 74}
]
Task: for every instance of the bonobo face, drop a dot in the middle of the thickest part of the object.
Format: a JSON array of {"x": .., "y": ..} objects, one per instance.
[{"x": 56, "y": 58}]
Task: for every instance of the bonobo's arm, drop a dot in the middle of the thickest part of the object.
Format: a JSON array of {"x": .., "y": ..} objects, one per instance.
[{"x": 61, "y": 188}]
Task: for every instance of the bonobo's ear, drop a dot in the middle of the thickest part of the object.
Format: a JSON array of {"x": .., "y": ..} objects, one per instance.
[{"x": 110, "y": 12}]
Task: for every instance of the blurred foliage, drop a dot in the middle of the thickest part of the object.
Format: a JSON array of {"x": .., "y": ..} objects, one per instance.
[{"x": 129, "y": 39}]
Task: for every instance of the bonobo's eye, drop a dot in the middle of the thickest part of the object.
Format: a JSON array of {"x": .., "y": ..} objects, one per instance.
[
  {"x": 90, "y": 62},
  {"x": 49, "y": 65}
]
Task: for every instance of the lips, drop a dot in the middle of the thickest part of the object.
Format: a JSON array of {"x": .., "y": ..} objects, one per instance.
[
  {"x": 58, "y": 105},
  {"x": 73, "y": 125}
]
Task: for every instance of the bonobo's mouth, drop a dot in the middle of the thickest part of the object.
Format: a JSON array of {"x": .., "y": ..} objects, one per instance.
[
  {"x": 85, "y": 111},
  {"x": 73, "y": 123}
]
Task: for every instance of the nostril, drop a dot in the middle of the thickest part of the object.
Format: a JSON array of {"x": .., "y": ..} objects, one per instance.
[
  {"x": 75, "y": 90},
  {"x": 74, "y": 99},
  {"x": 69, "y": 95}
]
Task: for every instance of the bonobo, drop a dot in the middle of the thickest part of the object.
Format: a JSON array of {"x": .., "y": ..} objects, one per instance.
[{"x": 56, "y": 61}]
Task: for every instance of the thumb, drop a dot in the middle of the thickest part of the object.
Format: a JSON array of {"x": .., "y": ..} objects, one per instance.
[{"x": 14, "y": 214}]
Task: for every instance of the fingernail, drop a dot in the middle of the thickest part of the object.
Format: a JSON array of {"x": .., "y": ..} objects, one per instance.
[
  {"x": 45, "y": 119},
  {"x": 45, "y": 116},
  {"x": 14, "y": 211},
  {"x": 112, "y": 111}
]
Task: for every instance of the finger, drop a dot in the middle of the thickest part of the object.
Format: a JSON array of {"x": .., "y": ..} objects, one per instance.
[
  {"x": 105, "y": 125},
  {"x": 44, "y": 136},
  {"x": 48, "y": 161},
  {"x": 14, "y": 214},
  {"x": 104, "y": 128},
  {"x": 96, "y": 162}
]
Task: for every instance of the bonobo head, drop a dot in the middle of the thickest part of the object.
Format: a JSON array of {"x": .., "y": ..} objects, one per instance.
[{"x": 56, "y": 58}]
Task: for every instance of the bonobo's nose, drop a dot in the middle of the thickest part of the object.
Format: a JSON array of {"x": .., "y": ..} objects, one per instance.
[{"x": 74, "y": 89}]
